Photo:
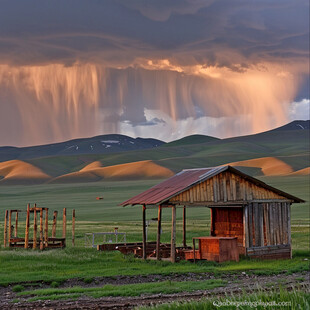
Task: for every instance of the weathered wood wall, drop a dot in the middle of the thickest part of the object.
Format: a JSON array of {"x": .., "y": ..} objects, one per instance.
[
  {"x": 225, "y": 187},
  {"x": 268, "y": 229}
]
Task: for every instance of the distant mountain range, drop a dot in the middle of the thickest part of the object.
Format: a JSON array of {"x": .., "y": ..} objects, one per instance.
[
  {"x": 104, "y": 144},
  {"x": 280, "y": 151},
  {"x": 115, "y": 143}
]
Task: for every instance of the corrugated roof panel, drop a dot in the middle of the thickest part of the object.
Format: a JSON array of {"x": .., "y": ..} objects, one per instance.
[
  {"x": 169, "y": 187},
  {"x": 187, "y": 178}
]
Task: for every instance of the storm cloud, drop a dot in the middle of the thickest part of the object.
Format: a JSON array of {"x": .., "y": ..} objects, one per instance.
[{"x": 93, "y": 67}]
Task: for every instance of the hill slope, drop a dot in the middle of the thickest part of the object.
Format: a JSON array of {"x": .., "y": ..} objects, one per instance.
[
  {"x": 104, "y": 144},
  {"x": 273, "y": 152}
]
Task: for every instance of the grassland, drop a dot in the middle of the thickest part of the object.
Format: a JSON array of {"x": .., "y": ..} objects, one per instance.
[
  {"x": 57, "y": 266},
  {"x": 82, "y": 198}
]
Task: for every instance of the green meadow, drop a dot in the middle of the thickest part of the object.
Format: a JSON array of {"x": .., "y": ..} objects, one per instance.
[{"x": 53, "y": 267}]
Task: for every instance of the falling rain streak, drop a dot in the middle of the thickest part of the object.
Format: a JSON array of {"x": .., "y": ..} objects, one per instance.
[{"x": 51, "y": 103}]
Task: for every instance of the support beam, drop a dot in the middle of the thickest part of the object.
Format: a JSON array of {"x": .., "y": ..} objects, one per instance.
[
  {"x": 64, "y": 223},
  {"x": 184, "y": 226},
  {"x": 16, "y": 224},
  {"x": 250, "y": 223},
  {"x": 41, "y": 229},
  {"x": 46, "y": 229},
  {"x": 245, "y": 227},
  {"x": 212, "y": 213},
  {"x": 5, "y": 237},
  {"x": 158, "y": 233},
  {"x": 27, "y": 226},
  {"x": 34, "y": 246},
  {"x": 10, "y": 226},
  {"x": 73, "y": 227},
  {"x": 144, "y": 232},
  {"x": 54, "y": 224},
  {"x": 288, "y": 205},
  {"x": 173, "y": 234}
]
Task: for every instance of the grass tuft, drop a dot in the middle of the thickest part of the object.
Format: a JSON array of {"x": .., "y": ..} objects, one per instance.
[{"x": 18, "y": 288}]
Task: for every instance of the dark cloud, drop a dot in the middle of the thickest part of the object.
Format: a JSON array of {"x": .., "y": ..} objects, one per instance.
[
  {"x": 116, "y": 32},
  {"x": 87, "y": 67}
]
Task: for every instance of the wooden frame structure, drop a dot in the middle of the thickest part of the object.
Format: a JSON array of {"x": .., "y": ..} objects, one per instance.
[
  {"x": 241, "y": 206},
  {"x": 38, "y": 241}
]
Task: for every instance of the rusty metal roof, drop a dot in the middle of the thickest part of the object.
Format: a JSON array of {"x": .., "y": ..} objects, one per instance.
[
  {"x": 187, "y": 178},
  {"x": 172, "y": 186}
]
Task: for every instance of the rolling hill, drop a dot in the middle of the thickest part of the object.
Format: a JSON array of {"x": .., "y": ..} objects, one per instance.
[
  {"x": 104, "y": 144},
  {"x": 281, "y": 151}
]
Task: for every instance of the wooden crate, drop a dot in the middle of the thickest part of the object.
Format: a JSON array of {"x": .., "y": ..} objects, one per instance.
[{"x": 217, "y": 249}]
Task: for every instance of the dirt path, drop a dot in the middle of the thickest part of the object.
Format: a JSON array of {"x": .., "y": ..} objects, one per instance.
[{"x": 236, "y": 284}]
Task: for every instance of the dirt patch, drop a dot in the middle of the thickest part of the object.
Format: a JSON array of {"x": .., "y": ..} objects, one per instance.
[{"x": 236, "y": 284}]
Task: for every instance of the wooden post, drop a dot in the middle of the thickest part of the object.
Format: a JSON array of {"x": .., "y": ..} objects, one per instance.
[
  {"x": 5, "y": 228},
  {"x": 250, "y": 223},
  {"x": 173, "y": 233},
  {"x": 27, "y": 227},
  {"x": 64, "y": 223},
  {"x": 256, "y": 224},
  {"x": 34, "y": 246},
  {"x": 194, "y": 249},
  {"x": 10, "y": 227},
  {"x": 73, "y": 227},
  {"x": 16, "y": 223},
  {"x": 46, "y": 228},
  {"x": 184, "y": 226},
  {"x": 245, "y": 227},
  {"x": 41, "y": 229},
  {"x": 144, "y": 232},
  {"x": 212, "y": 222},
  {"x": 158, "y": 233},
  {"x": 54, "y": 224},
  {"x": 288, "y": 205},
  {"x": 261, "y": 223}
]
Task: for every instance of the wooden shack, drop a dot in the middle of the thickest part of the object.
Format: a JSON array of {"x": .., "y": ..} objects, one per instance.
[{"x": 241, "y": 206}]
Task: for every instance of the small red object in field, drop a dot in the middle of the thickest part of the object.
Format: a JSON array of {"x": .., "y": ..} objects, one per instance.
[{"x": 99, "y": 198}]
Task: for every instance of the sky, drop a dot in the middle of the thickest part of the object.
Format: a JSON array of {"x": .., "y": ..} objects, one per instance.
[{"x": 163, "y": 69}]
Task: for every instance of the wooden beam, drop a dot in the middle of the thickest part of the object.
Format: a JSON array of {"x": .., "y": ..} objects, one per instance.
[
  {"x": 250, "y": 222},
  {"x": 280, "y": 223},
  {"x": 27, "y": 226},
  {"x": 184, "y": 226},
  {"x": 143, "y": 233},
  {"x": 5, "y": 237},
  {"x": 256, "y": 224},
  {"x": 288, "y": 206},
  {"x": 46, "y": 229},
  {"x": 158, "y": 233},
  {"x": 266, "y": 223},
  {"x": 10, "y": 226},
  {"x": 16, "y": 224},
  {"x": 261, "y": 223},
  {"x": 54, "y": 224},
  {"x": 173, "y": 234},
  {"x": 34, "y": 246},
  {"x": 284, "y": 222},
  {"x": 73, "y": 227},
  {"x": 212, "y": 215},
  {"x": 41, "y": 230},
  {"x": 64, "y": 223},
  {"x": 245, "y": 226}
]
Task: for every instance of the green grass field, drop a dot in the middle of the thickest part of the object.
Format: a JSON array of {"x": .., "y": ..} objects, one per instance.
[
  {"x": 55, "y": 266},
  {"x": 82, "y": 198}
]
